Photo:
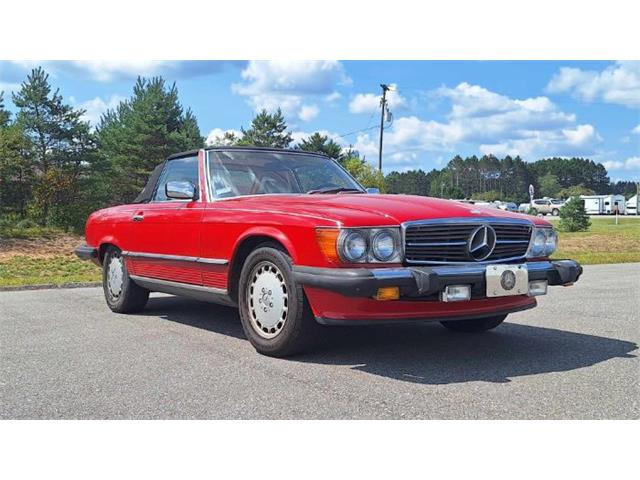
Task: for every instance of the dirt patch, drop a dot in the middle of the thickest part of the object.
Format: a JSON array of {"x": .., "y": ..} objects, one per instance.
[{"x": 54, "y": 246}]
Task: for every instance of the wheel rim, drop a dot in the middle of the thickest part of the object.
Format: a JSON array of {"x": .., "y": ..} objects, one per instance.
[
  {"x": 267, "y": 299},
  {"x": 115, "y": 276}
]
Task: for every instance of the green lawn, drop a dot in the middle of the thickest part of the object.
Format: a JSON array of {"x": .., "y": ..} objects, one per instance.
[
  {"x": 24, "y": 270},
  {"x": 605, "y": 242},
  {"x": 39, "y": 255}
]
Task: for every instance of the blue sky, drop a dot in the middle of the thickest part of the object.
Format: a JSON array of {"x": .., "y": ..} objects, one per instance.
[{"x": 529, "y": 108}]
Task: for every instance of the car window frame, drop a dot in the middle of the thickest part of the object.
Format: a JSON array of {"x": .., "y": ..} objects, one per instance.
[
  {"x": 196, "y": 185},
  {"x": 211, "y": 191}
]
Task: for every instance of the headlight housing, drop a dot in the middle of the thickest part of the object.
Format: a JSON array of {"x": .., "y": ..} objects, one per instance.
[
  {"x": 366, "y": 245},
  {"x": 354, "y": 246},
  {"x": 544, "y": 241}
]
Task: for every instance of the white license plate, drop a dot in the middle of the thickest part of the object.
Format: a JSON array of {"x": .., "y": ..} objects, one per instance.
[{"x": 506, "y": 280}]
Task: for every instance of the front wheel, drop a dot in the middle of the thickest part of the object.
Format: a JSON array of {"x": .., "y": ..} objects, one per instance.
[
  {"x": 474, "y": 325},
  {"x": 274, "y": 312},
  {"x": 122, "y": 294}
]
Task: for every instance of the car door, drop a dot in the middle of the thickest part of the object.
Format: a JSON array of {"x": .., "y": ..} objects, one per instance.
[{"x": 166, "y": 232}]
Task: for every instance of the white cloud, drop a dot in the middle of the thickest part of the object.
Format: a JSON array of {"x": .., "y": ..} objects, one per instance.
[
  {"x": 530, "y": 127},
  {"x": 108, "y": 70},
  {"x": 370, "y": 102},
  {"x": 333, "y": 96},
  {"x": 631, "y": 163},
  {"x": 308, "y": 112},
  {"x": 613, "y": 165},
  {"x": 8, "y": 88},
  {"x": 217, "y": 134},
  {"x": 285, "y": 84},
  {"x": 97, "y": 106},
  {"x": 636, "y": 130},
  {"x": 619, "y": 84}
]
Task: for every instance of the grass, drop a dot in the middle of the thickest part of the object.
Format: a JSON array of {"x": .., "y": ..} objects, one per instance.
[
  {"x": 32, "y": 232},
  {"x": 37, "y": 256},
  {"x": 32, "y": 255},
  {"x": 605, "y": 242},
  {"x": 25, "y": 270}
]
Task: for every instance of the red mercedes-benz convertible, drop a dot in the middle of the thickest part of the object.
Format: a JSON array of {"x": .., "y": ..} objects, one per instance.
[{"x": 294, "y": 241}]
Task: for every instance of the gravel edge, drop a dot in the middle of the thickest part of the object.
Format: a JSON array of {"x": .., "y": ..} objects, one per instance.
[{"x": 47, "y": 286}]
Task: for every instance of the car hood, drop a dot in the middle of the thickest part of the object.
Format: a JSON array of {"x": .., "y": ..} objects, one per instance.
[{"x": 370, "y": 209}]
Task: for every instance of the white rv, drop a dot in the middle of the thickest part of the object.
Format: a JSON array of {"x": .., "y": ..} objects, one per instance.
[
  {"x": 603, "y": 204},
  {"x": 631, "y": 207}
]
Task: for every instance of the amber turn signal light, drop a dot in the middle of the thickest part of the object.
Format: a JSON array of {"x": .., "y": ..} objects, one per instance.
[
  {"x": 388, "y": 293},
  {"x": 328, "y": 242}
]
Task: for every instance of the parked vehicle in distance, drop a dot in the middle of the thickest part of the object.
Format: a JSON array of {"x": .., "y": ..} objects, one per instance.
[
  {"x": 524, "y": 207},
  {"x": 631, "y": 206},
  {"x": 604, "y": 204},
  {"x": 293, "y": 241},
  {"x": 485, "y": 204},
  {"x": 546, "y": 206},
  {"x": 508, "y": 206}
]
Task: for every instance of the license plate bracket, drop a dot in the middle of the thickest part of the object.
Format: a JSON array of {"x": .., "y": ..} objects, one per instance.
[{"x": 500, "y": 283}]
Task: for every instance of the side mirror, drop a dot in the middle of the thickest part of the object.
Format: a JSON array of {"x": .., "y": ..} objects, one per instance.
[
  {"x": 180, "y": 190},
  {"x": 373, "y": 190}
]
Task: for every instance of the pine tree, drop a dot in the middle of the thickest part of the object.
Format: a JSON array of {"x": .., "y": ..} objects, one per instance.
[
  {"x": 5, "y": 115},
  {"x": 267, "y": 130},
  {"x": 143, "y": 131},
  {"x": 61, "y": 142},
  {"x": 16, "y": 170},
  {"x": 321, "y": 144},
  {"x": 573, "y": 216}
]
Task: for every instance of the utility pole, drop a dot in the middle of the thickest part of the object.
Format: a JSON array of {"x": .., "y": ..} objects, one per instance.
[{"x": 383, "y": 107}]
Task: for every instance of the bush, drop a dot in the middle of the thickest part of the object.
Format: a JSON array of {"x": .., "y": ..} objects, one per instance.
[{"x": 573, "y": 216}]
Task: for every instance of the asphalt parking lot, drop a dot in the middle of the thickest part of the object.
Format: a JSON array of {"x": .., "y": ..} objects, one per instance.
[{"x": 63, "y": 354}]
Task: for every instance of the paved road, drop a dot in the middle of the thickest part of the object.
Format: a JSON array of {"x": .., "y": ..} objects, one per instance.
[{"x": 64, "y": 355}]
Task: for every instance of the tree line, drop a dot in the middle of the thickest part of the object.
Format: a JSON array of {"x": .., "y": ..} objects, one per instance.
[{"x": 55, "y": 168}]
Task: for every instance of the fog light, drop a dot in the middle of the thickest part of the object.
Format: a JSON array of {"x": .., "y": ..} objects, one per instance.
[
  {"x": 456, "y": 293},
  {"x": 388, "y": 293},
  {"x": 538, "y": 287}
]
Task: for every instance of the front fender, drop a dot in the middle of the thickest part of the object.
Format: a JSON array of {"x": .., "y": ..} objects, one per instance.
[{"x": 270, "y": 232}]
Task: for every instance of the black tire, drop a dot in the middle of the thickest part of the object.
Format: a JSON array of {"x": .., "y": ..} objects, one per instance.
[
  {"x": 474, "y": 325},
  {"x": 299, "y": 330},
  {"x": 555, "y": 212},
  {"x": 132, "y": 297}
]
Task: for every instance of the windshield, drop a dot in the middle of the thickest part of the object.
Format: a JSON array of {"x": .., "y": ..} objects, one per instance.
[{"x": 235, "y": 173}]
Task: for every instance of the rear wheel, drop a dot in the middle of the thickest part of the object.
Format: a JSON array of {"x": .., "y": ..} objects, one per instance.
[
  {"x": 474, "y": 324},
  {"x": 275, "y": 315},
  {"x": 122, "y": 294},
  {"x": 555, "y": 212}
]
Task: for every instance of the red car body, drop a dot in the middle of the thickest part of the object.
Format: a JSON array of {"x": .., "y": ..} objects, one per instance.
[{"x": 203, "y": 243}]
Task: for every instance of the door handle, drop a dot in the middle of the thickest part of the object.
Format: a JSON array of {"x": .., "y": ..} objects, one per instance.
[{"x": 138, "y": 217}]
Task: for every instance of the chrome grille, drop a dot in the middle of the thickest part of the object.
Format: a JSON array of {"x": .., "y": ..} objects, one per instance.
[{"x": 447, "y": 242}]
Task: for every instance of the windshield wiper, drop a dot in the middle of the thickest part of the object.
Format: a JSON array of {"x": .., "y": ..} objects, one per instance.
[{"x": 334, "y": 190}]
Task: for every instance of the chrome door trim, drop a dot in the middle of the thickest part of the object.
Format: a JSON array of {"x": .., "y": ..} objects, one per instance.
[
  {"x": 178, "y": 258},
  {"x": 187, "y": 286}
]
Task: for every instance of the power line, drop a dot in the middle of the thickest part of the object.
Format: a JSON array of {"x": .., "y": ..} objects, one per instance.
[{"x": 356, "y": 131}]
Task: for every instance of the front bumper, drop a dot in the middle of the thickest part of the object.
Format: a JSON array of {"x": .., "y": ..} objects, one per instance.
[
  {"x": 86, "y": 252},
  {"x": 424, "y": 281}
]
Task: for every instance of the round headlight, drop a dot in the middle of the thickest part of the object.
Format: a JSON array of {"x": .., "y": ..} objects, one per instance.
[
  {"x": 539, "y": 241},
  {"x": 552, "y": 242},
  {"x": 384, "y": 246},
  {"x": 354, "y": 246}
]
